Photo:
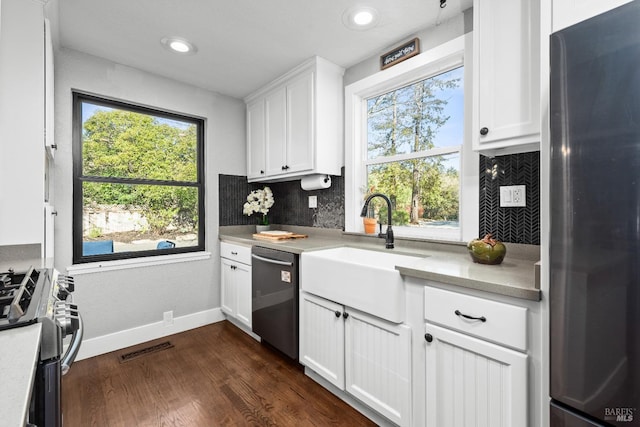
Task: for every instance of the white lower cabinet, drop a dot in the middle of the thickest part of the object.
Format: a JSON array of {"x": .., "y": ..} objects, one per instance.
[
  {"x": 475, "y": 371},
  {"x": 471, "y": 382},
  {"x": 235, "y": 281},
  {"x": 366, "y": 356},
  {"x": 378, "y": 365},
  {"x": 322, "y": 338}
]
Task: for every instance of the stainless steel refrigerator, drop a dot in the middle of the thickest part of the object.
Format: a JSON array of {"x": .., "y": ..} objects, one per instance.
[{"x": 595, "y": 221}]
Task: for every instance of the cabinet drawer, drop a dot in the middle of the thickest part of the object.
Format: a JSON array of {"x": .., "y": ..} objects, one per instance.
[
  {"x": 503, "y": 323},
  {"x": 236, "y": 252}
]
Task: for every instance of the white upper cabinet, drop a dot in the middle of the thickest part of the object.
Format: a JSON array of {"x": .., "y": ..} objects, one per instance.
[
  {"x": 506, "y": 76},
  {"x": 256, "y": 139},
  {"x": 49, "y": 118},
  {"x": 294, "y": 124},
  {"x": 275, "y": 106},
  {"x": 300, "y": 124},
  {"x": 569, "y": 12},
  {"x": 22, "y": 121}
]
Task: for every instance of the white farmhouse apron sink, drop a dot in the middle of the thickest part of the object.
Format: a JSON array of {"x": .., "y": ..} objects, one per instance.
[{"x": 359, "y": 278}]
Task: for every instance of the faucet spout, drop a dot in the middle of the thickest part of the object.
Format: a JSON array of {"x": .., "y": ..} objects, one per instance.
[{"x": 388, "y": 236}]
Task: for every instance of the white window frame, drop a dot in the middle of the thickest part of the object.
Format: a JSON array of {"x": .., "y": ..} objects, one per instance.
[{"x": 438, "y": 60}]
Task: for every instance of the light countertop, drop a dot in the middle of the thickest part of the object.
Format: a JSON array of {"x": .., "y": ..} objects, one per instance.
[
  {"x": 513, "y": 277},
  {"x": 18, "y": 357},
  {"x": 442, "y": 262},
  {"x": 295, "y": 246}
]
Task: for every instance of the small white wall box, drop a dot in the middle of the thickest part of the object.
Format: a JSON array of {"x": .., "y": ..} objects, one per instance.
[
  {"x": 513, "y": 196},
  {"x": 313, "y": 202}
]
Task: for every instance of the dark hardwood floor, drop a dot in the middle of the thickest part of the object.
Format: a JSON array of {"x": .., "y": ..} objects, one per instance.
[{"x": 215, "y": 375}]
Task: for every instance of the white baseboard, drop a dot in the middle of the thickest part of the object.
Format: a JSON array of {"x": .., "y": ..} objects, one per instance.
[{"x": 122, "y": 339}]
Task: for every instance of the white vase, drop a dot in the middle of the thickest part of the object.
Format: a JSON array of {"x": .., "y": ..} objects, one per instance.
[{"x": 260, "y": 228}]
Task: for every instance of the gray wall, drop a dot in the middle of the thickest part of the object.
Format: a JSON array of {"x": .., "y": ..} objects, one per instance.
[
  {"x": 429, "y": 38},
  {"x": 119, "y": 300}
]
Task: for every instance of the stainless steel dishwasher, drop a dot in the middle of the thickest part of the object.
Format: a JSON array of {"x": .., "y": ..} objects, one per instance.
[{"x": 274, "y": 298}]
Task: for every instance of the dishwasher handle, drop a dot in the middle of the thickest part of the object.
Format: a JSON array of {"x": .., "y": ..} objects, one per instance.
[{"x": 271, "y": 261}]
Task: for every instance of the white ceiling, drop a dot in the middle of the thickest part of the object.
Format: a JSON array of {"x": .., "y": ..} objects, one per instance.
[{"x": 242, "y": 44}]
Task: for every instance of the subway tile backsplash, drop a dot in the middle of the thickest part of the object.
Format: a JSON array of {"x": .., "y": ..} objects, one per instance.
[{"x": 514, "y": 225}]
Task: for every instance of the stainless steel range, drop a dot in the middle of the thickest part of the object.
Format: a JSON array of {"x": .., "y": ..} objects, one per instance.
[{"x": 44, "y": 296}]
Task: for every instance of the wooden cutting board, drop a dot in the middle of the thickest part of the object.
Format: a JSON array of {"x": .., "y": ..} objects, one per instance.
[{"x": 275, "y": 237}]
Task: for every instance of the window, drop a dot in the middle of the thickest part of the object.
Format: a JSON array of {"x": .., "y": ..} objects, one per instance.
[
  {"x": 405, "y": 139},
  {"x": 414, "y": 137},
  {"x": 138, "y": 181}
]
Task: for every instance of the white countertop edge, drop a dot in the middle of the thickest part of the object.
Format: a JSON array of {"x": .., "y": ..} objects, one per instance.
[
  {"x": 511, "y": 290},
  {"x": 19, "y": 350}
]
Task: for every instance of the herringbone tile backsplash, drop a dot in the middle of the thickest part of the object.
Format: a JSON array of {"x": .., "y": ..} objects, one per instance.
[{"x": 513, "y": 225}]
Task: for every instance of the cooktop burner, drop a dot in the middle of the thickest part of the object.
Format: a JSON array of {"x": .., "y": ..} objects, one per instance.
[{"x": 19, "y": 296}]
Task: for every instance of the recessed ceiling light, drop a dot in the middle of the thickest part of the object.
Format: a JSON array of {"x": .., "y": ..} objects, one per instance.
[
  {"x": 363, "y": 17},
  {"x": 360, "y": 18},
  {"x": 178, "y": 45}
]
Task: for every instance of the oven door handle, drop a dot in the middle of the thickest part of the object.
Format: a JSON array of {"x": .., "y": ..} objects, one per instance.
[
  {"x": 271, "y": 261},
  {"x": 74, "y": 347}
]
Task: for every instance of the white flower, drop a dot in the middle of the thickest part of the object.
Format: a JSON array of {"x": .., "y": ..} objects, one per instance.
[{"x": 258, "y": 201}]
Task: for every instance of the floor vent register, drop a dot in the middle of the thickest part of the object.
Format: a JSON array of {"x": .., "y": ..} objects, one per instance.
[{"x": 126, "y": 357}]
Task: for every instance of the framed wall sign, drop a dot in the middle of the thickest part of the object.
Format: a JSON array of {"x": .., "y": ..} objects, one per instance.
[{"x": 400, "y": 53}]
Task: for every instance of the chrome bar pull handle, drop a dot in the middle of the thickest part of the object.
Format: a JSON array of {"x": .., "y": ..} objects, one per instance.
[{"x": 271, "y": 261}]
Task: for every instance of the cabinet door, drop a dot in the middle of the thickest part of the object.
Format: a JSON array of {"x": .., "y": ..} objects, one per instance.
[
  {"x": 322, "y": 338},
  {"x": 242, "y": 274},
  {"x": 569, "y": 12},
  {"x": 228, "y": 296},
  {"x": 506, "y": 82},
  {"x": 300, "y": 123},
  {"x": 276, "y": 131},
  {"x": 378, "y": 365},
  {"x": 470, "y": 382},
  {"x": 49, "y": 117},
  {"x": 256, "y": 139},
  {"x": 49, "y": 235},
  {"x": 22, "y": 121}
]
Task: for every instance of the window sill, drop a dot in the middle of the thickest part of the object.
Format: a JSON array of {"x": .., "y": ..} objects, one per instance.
[{"x": 123, "y": 264}]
